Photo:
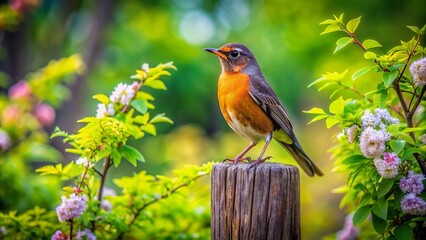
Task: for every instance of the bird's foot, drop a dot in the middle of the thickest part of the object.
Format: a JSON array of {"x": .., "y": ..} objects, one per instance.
[
  {"x": 259, "y": 161},
  {"x": 237, "y": 160}
]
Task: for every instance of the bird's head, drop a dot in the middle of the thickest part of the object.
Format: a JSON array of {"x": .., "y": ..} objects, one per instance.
[{"x": 236, "y": 58}]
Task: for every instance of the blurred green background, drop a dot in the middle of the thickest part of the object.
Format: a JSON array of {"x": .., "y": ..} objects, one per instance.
[{"x": 116, "y": 37}]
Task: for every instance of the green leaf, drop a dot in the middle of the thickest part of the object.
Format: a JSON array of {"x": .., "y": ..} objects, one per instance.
[
  {"x": 423, "y": 29},
  {"x": 337, "y": 106},
  {"x": 331, "y": 121},
  {"x": 380, "y": 208},
  {"x": 328, "y": 22},
  {"x": 361, "y": 72},
  {"x": 370, "y": 43},
  {"x": 409, "y": 153},
  {"x": 331, "y": 28},
  {"x": 339, "y": 19},
  {"x": 315, "y": 111},
  {"x": 161, "y": 118},
  {"x": 157, "y": 84},
  {"x": 365, "y": 199},
  {"x": 414, "y": 29},
  {"x": 139, "y": 105},
  {"x": 388, "y": 78},
  {"x": 361, "y": 214},
  {"x": 50, "y": 169},
  {"x": 354, "y": 159},
  {"x": 378, "y": 224},
  {"x": 59, "y": 133},
  {"x": 403, "y": 232},
  {"x": 342, "y": 42},
  {"x": 131, "y": 154},
  {"x": 352, "y": 25},
  {"x": 116, "y": 157},
  {"x": 384, "y": 187},
  {"x": 101, "y": 98},
  {"x": 149, "y": 128},
  {"x": 397, "y": 145},
  {"x": 317, "y": 118},
  {"x": 142, "y": 119},
  {"x": 369, "y": 55}
]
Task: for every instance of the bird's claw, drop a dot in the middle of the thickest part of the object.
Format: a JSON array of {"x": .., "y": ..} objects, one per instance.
[
  {"x": 236, "y": 160},
  {"x": 259, "y": 161}
]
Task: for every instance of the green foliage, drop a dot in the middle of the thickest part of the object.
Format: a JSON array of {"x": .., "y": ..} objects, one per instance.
[
  {"x": 369, "y": 191},
  {"x": 35, "y": 223},
  {"x": 138, "y": 210},
  {"x": 46, "y": 82},
  {"x": 25, "y": 113}
]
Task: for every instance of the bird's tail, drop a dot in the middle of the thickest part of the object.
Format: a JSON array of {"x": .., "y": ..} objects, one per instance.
[{"x": 304, "y": 161}]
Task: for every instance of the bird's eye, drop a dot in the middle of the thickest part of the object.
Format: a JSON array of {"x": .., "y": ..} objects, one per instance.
[{"x": 234, "y": 54}]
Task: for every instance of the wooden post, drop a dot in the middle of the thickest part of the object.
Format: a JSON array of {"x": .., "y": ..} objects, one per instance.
[{"x": 261, "y": 202}]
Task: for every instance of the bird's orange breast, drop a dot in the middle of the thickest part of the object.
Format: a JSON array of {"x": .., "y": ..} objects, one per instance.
[{"x": 240, "y": 111}]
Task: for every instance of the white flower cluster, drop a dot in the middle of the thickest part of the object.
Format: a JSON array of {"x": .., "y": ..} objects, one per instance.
[
  {"x": 83, "y": 161},
  {"x": 373, "y": 142},
  {"x": 374, "y": 135},
  {"x": 418, "y": 70},
  {"x": 71, "y": 207},
  {"x": 373, "y": 132},
  {"x": 122, "y": 94}
]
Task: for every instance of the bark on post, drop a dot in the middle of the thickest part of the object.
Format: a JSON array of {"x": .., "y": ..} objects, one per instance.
[{"x": 261, "y": 202}]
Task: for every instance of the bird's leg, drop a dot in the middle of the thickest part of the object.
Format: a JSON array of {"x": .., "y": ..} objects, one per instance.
[
  {"x": 260, "y": 159},
  {"x": 240, "y": 157}
]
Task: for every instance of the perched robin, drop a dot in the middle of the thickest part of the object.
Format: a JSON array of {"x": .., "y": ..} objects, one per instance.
[{"x": 252, "y": 109}]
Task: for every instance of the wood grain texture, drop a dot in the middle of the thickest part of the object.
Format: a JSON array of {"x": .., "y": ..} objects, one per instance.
[{"x": 261, "y": 202}]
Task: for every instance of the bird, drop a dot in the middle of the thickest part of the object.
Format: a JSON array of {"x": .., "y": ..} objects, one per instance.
[{"x": 252, "y": 109}]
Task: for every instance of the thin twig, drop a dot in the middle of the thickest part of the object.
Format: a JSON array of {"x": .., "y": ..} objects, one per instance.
[
  {"x": 107, "y": 165},
  {"x": 97, "y": 171},
  {"x": 71, "y": 226}
]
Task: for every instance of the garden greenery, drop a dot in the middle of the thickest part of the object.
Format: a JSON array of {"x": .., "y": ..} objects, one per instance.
[
  {"x": 88, "y": 209},
  {"x": 382, "y": 146}
]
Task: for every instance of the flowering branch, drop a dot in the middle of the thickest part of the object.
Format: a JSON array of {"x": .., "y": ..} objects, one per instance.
[{"x": 389, "y": 190}]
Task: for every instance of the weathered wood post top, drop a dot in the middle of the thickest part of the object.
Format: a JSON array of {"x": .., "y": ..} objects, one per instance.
[{"x": 259, "y": 202}]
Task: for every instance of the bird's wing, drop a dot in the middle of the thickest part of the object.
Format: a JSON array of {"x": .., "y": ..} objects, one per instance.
[{"x": 265, "y": 97}]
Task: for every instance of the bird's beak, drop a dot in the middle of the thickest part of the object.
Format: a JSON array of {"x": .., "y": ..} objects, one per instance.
[{"x": 216, "y": 52}]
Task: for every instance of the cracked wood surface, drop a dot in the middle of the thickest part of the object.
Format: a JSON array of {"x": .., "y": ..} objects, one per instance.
[{"x": 261, "y": 202}]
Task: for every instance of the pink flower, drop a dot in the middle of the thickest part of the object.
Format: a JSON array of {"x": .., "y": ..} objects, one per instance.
[
  {"x": 71, "y": 207},
  {"x": 352, "y": 133},
  {"x": 412, "y": 204},
  {"x": 58, "y": 235},
  {"x": 5, "y": 142},
  {"x": 388, "y": 166},
  {"x": 11, "y": 115},
  {"x": 372, "y": 142},
  {"x": 45, "y": 114},
  {"x": 20, "y": 90},
  {"x": 349, "y": 231},
  {"x": 23, "y": 5},
  {"x": 412, "y": 183},
  {"x": 86, "y": 234}
]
